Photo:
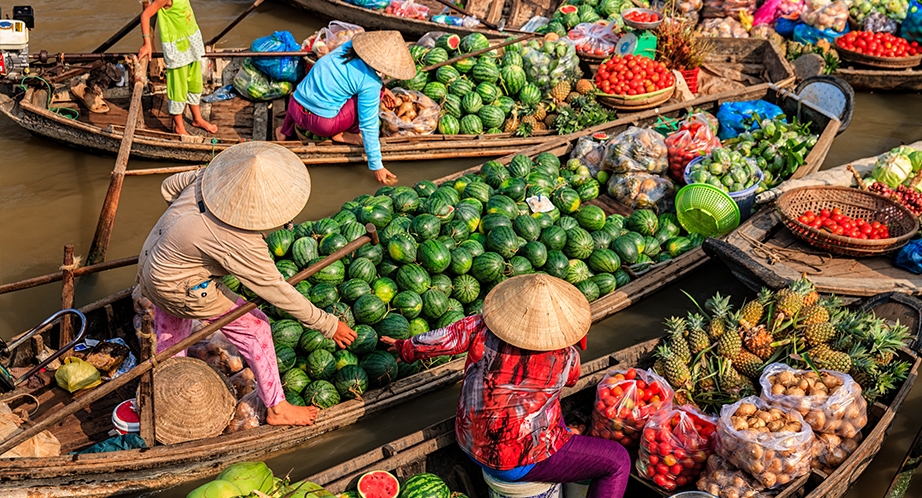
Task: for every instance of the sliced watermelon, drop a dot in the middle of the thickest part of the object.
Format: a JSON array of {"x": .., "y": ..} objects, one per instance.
[{"x": 378, "y": 484}]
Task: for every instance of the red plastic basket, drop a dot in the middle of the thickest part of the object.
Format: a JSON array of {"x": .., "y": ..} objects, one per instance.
[{"x": 691, "y": 78}]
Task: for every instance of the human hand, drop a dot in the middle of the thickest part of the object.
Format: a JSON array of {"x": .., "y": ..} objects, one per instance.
[
  {"x": 385, "y": 177},
  {"x": 388, "y": 99},
  {"x": 343, "y": 335},
  {"x": 391, "y": 343},
  {"x": 146, "y": 50}
]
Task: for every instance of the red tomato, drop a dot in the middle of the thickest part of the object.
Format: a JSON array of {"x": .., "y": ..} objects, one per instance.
[
  {"x": 662, "y": 469},
  {"x": 653, "y": 459},
  {"x": 660, "y": 480},
  {"x": 669, "y": 460}
]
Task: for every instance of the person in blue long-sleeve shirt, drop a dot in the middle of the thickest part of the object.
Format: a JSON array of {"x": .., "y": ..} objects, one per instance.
[{"x": 341, "y": 95}]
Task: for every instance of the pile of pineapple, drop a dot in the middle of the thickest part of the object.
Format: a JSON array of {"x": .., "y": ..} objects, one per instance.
[
  {"x": 574, "y": 105},
  {"x": 716, "y": 356}
]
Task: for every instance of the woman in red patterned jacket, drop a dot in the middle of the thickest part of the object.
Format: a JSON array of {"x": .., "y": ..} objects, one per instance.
[{"x": 521, "y": 354}]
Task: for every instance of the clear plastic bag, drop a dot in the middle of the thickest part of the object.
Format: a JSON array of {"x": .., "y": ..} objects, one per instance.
[
  {"x": 621, "y": 410},
  {"x": 415, "y": 114},
  {"x": 589, "y": 151},
  {"x": 774, "y": 457},
  {"x": 829, "y": 451},
  {"x": 727, "y": 8},
  {"x": 77, "y": 374},
  {"x": 693, "y": 139},
  {"x": 407, "y": 8},
  {"x": 595, "y": 39},
  {"x": 243, "y": 382},
  {"x": 254, "y": 85},
  {"x": 830, "y": 403},
  {"x": 642, "y": 191},
  {"x": 369, "y": 4},
  {"x": 722, "y": 28},
  {"x": 331, "y": 37},
  {"x": 219, "y": 353},
  {"x": 726, "y": 481},
  {"x": 249, "y": 414},
  {"x": 279, "y": 68},
  {"x": 428, "y": 40},
  {"x": 226, "y": 92},
  {"x": 551, "y": 62},
  {"x": 636, "y": 150},
  {"x": 681, "y": 440},
  {"x": 825, "y": 14}
]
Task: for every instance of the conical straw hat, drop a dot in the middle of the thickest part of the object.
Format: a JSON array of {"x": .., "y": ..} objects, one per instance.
[
  {"x": 385, "y": 51},
  {"x": 537, "y": 312},
  {"x": 191, "y": 401},
  {"x": 256, "y": 186}
]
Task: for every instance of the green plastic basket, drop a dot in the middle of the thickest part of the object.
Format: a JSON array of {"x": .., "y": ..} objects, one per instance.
[{"x": 706, "y": 209}]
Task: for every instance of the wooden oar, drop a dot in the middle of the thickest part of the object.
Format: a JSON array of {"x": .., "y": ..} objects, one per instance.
[
  {"x": 100, "y": 245},
  {"x": 235, "y": 22},
  {"x": 106, "y": 45},
  {"x": 104, "y": 390},
  {"x": 453, "y": 6}
]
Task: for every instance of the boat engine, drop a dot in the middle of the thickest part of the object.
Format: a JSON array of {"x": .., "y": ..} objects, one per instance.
[{"x": 14, "y": 42}]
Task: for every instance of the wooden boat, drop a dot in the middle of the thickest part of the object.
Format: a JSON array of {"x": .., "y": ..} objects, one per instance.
[
  {"x": 434, "y": 449},
  {"x": 890, "y": 80},
  {"x": 162, "y": 466},
  {"x": 242, "y": 120},
  {"x": 763, "y": 252}
]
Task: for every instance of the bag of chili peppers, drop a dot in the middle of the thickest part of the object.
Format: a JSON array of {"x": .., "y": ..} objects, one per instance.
[
  {"x": 624, "y": 400},
  {"x": 675, "y": 446}
]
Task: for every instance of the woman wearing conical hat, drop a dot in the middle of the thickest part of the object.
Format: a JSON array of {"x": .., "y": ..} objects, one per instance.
[
  {"x": 520, "y": 354},
  {"x": 213, "y": 228},
  {"x": 341, "y": 95}
]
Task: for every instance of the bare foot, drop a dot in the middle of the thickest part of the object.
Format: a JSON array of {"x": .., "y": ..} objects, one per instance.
[
  {"x": 285, "y": 413},
  {"x": 180, "y": 129},
  {"x": 205, "y": 125},
  {"x": 349, "y": 138},
  {"x": 279, "y": 136}
]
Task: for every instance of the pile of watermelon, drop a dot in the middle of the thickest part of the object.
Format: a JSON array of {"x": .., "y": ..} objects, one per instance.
[
  {"x": 575, "y": 12},
  {"x": 442, "y": 249},
  {"x": 476, "y": 95},
  {"x": 381, "y": 484}
]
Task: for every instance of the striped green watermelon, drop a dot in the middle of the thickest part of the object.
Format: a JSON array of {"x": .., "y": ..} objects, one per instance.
[
  {"x": 433, "y": 256},
  {"x": 418, "y": 325},
  {"x": 529, "y": 94},
  {"x": 469, "y": 213},
  {"x": 408, "y": 303},
  {"x": 402, "y": 248},
  {"x": 417, "y": 52},
  {"x": 405, "y": 369},
  {"x": 295, "y": 380},
  {"x": 362, "y": 269},
  {"x": 589, "y": 289},
  {"x": 651, "y": 247},
  {"x": 454, "y": 304},
  {"x": 491, "y": 116},
  {"x": 232, "y": 283},
  {"x": 310, "y": 341},
  {"x": 351, "y": 382},
  {"x": 435, "y": 304},
  {"x": 604, "y": 261},
  {"x": 566, "y": 200},
  {"x": 677, "y": 246},
  {"x": 321, "y": 365},
  {"x": 465, "y": 289},
  {"x": 413, "y": 277},
  {"x": 488, "y": 267},
  {"x": 441, "y": 282},
  {"x": 492, "y": 221},
  {"x": 345, "y": 357},
  {"x": 279, "y": 242},
  {"x": 365, "y": 341},
  {"x": 626, "y": 249},
  {"x": 324, "y": 227},
  {"x": 502, "y": 240},
  {"x": 579, "y": 244},
  {"x": 385, "y": 289},
  {"x": 342, "y": 312},
  {"x": 460, "y": 261},
  {"x": 451, "y": 106},
  {"x": 478, "y": 190},
  {"x": 471, "y": 103},
  {"x": 285, "y": 357},
  {"x": 493, "y": 173},
  {"x": 526, "y": 227},
  {"x": 488, "y": 92},
  {"x": 303, "y": 229},
  {"x": 500, "y": 204},
  {"x": 369, "y": 309},
  {"x": 371, "y": 252},
  {"x": 379, "y": 216},
  {"x": 436, "y": 55},
  {"x": 535, "y": 252},
  {"x": 567, "y": 222},
  {"x": 591, "y": 217},
  {"x": 473, "y": 43},
  {"x": 513, "y": 79},
  {"x": 287, "y": 268},
  {"x": 507, "y": 104},
  {"x": 511, "y": 58},
  {"x": 406, "y": 201},
  {"x": 520, "y": 166},
  {"x": 460, "y": 87},
  {"x": 333, "y": 274},
  {"x": 643, "y": 221},
  {"x": 439, "y": 207},
  {"x": 474, "y": 308},
  {"x": 514, "y": 188},
  {"x": 286, "y": 333},
  {"x": 425, "y": 485},
  {"x": 547, "y": 163},
  {"x": 381, "y": 368},
  {"x": 425, "y": 227},
  {"x": 324, "y": 294},
  {"x": 464, "y": 66},
  {"x": 472, "y": 246},
  {"x": 605, "y": 282},
  {"x": 435, "y": 90},
  {"x": 449, "y": 318},
  {"x": 425, "y": 188},
  {"x": 600, "y": 239},
  {"x": 518, "y": 265},
  {"x": 448, "y": 42},
  {"x": 557, "y": 264},
  {"x": 577, "y": 271},
  {"x": 471, "y": 124},
  {"x": 352, "y": 230},
  {"x": 588, "y": 191},
  {"x": 417, "y": 82},
  {"x": 449, "y": 125},
  {"x": 294, "y": 398},
  {"x": 394, "y": 326},
  {"x": 457, "y": 230},
  {"x": 320, "y": 393}
]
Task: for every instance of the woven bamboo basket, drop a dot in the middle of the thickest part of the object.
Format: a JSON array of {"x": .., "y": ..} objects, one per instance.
[
  {"x": 636, "y": 102},
  {"x": 881, "y": 62},
  {"x": 854, "y": 203}
]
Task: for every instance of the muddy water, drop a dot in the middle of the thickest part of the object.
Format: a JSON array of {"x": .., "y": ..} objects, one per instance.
[{"x": 50, "y": 195}]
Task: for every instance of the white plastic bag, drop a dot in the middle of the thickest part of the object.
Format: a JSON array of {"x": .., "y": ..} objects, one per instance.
[
  {"x": 415, "y": 114},
  {"x": 329, "y": 38},
  {"x": 249, "y": 414}
]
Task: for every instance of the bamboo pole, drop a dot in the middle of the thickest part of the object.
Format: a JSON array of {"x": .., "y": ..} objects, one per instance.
[
  {"x": 161, "y": 171},
  {"x": 146, "y": 389},
  {"x": 79, "y": 272},
  {"x": 20, "y": 436},
  {"x": 106, "y": 45},
  {"x": 251, "y": 8},
  {"x": 100, "y": 245},
  {"x": 67, "y": 297}
]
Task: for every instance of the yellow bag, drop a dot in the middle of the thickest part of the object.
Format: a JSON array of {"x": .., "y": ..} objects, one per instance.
[{"x": 77, "y": 374}]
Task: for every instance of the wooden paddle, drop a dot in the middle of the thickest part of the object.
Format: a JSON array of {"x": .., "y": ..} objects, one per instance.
[
  {"x": 234, "y": 23},
  {"x": 104, "y": 390},
  {"x": 106, "y": 45}
]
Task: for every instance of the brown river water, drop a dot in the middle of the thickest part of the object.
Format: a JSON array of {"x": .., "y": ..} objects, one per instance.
[{"x": 50, "y": 195}]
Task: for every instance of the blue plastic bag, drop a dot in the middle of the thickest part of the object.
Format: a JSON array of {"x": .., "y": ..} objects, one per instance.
[
  {"x": 279, "y": 68},
  {"x": 911, "y": 28},
  {"x": 733, "y": 115},
  {"x": 910, "y": 257},
  {"x": 370, "y": 4},
  {"x": 785, "y": 26},
  {"x": 804, "y": 33}
]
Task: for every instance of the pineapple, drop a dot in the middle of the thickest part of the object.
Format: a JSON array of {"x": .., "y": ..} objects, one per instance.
[
  {"x": 864, "y": 370},
  {"x": 808, "y": 291},
  {"x": 677, "y": 372},
  {"x": 885, "y": 341},
  {"x": 814, "y": 315},
  {"x": 729, "y": 344},
  {"x": 551, "y": 119},
  {"x": 659, "y": 367},
  {"x": 540, "y": 112},
  {"x": 572, "y": 97},
  {"x": 819, "y": 333},
  {"x": 788, "y": 302},
  {"x": 748, "y": 364},
  {"x": 561, "y": 90},
  {"x": 675, "y": 338},
  {"x": 540, "y": 126},
  {"x": 512, "y": 123},
  {"x": 530, "y": 120},
  {"x": 697, "y": 338},
  {"x": 833, "y": 360},
  {"x": 719, "y": 306},
  {"x": 729, "y": 378},
  {"x": 759, "y": 341},
  {"x": 585, "y": 87}
]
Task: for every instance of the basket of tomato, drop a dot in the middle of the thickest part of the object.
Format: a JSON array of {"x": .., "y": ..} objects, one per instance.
[
  {"x": 675, "y": 447},
  {"x": 878, "y": 50},
  {"x": 633, "y": 83},
  {"x": 624, "y": 400},
  {"x": 639, "y": 18},
  {"x": 846, "y": 221}
]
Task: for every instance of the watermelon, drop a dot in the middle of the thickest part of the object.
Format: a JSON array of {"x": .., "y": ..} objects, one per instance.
[
  {"x": 591, "y": 218},
  {"x": 387, "y": 267},
  {"x": 554, "y": 237},
  {"x": 285, "y": 357},
  {"x": 638, "y": 240},
  {"x": 218, "y": 488},
  {"x": 557, "y": 264},
  {"x": 286, "y": 333},
  {"x": 414, "y": 278},
  {"x": 433, "y": 256},
  {"x": 352, "y": 230},
  {"x": 345, "y": 357},
  {"x": 279, "y": 242},
  {"x": 589, "y": 289},
  {"x": 323, "y": 295},
  {"x": 577, "y": 271},
  {"x": 494, "y": 174},
  {"x": 513, "y": 79},
  {"x": 605, "y": 282},
  {"x": 424, "y": 227},
  {"x": 305, "y": 229},
  {"x": 435, "y": 90},
  {"x": 372, "y": 252},
  {"x": 303, "y": 251},
  {"x": 380, "y": 484},
  {"x": 547, "y": 162},
  {"x": 487, "y": 267},
  {"x": 457, "y": 230},
  {"x": 417, "y": 52},
  {"x": 588, "y": 191},
  {"x": 451, "y": 106},
  {"x": 488, "y": 93},
  {"x": 449, "y": 124},
  {"x": 461, "y": 87},
  {"x": 447, "y": 194},
  {"x": 491, "y": 116},
  {"x": 604, "y": 261},
  {"x": 670, "y": 222},
  {"x": 455, "y": 305},
  {"x": 435, "y": 304},
  {"x": 295, "y": 380},
  {"x": 351, "y": 381},
  {"x": 643, "y": 221},
  {"x": 310, "y": 341},
  {"x": 333, "y": 274},
  {"x": 464, "y": 66},
  {"x": 377, "y": 215},
  {"x": 369, "y": 309},
  {"x": 441, "y": 282},
  {"x": 425, "y": 188},
  {"x": 511, "y": 58},
  {"x": 526, "y": 227},
  {"x": 471, "y": 103},
  {"x": 434, "y": 56},
  {"x": 518, "y": 265},
  {"x": 394, "y": 326},
  {"x": 507, "y": 104},
  {"x": 287, "y": 268},
  {"x": 417, "y": 82},
  {"x": 320, "y": 393},
  {"x": 478, "y": 190},
  {"x": 324, "y": 227},
  {"x": 460, "y": 261},
  {"x": 529, "y": 94},
  {"x": 677, "y": 245},
  {"x": 500, "y": 204},
  {"x": 449, "y": 318},
  {"x": 405, "y": 369},
  {"x": 502, "y": 240},
  {"x": 626, "y": 249},
  {"x": 535, "y": 252},
  {"x": 439, "y": 207},
  {"x": 381, "y": 368},
  {"x": 232, "y": 283},
  {"x": 473, "y": 43},
  {"x": 399, "y": 225},
  {"x": 579, "y": 243},
  {"x": 328, "y": 345},
  {"x": 384, "y": 288},
  {"x": 651, "y": 246},
  {"x": 566, "y": 200},
  {"x": 520, "y": 166},
  {"x": 362, "y": 269},
  {"x": 425, "y": 486},
  {"x": 472, "y": 246},
  {"x": 321, "y": 365},
  {"x": 418, "y": 325},
  {"x": 330, "y": 243},
  {"x": 514, "y": 188},
  {"x": 448, "y": 42},
  {"x": 402, "y": 248},
  {"x": 408, "y": 303},
  {"x": 601, "y": 239},
  {"x": 465, "y": 289},
  {"x": 344, "y": 216}
]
